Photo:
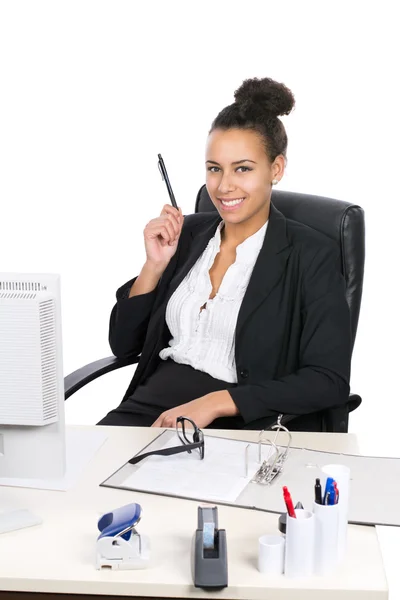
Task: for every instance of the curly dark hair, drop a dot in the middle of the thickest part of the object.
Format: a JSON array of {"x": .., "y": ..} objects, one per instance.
[{"x": 258, "y": 104}]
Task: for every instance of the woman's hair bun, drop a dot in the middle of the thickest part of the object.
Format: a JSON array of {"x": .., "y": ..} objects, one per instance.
[{"x": 266, "y": 95}]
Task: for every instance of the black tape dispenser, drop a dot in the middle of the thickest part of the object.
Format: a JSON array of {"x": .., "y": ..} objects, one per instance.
[{"x": 209, "y": 555}]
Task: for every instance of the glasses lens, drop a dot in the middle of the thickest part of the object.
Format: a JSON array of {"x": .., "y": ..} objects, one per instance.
[
  {"x": 184, "y": 435},
  {"x": 189, "y": 433},
  {"x": 201, "y": 440}
]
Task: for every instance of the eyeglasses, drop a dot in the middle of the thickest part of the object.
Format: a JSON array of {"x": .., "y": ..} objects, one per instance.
[{"x": 195, "y": 443}]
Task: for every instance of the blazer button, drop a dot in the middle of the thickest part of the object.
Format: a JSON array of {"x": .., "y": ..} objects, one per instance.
[{"x": 244, "y": 373}]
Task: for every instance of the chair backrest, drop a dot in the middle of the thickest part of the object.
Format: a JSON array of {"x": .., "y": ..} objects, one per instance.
[{"x": 339, "y": 220}]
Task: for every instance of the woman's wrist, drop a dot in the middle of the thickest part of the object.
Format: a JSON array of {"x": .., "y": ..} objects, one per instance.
[
  {"x": 222, "y": 404},
  {"x": 154, "y": 269},
  {"x": 147, "y": 280}
]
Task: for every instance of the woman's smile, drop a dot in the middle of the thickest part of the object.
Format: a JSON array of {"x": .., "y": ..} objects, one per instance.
[{"x": 231, "y": 203}]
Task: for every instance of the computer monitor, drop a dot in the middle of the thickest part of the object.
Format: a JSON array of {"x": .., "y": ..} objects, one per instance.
[{"x": 32, "y": 426}]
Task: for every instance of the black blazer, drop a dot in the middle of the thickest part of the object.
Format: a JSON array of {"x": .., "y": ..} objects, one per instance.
[{"x": 293, "y": 337}]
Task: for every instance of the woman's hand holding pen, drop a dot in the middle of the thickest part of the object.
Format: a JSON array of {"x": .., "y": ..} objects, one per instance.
[{"x": 161, "y": 236}]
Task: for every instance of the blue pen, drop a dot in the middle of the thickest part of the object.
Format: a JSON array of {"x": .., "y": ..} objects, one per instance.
[
  {"x": 328, "y": 484},
  {"x": 331, "y": 496}
]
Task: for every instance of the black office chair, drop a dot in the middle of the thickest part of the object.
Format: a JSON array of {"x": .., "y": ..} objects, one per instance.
[{"x": 341, "y": 221}]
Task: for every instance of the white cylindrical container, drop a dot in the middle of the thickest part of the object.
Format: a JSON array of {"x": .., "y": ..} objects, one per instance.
[
  {"x": 300, "y": 544},
  {"x": 271, "y": 551},
  {"x": 341, "y": 474},
  {"x": 326, "y": 537}
]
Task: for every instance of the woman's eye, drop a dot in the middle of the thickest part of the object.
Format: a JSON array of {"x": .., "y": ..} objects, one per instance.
[{"x": 239, "y": 169}]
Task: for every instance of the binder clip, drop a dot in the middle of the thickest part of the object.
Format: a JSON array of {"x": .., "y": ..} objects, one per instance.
[
  {"x": 273, "y": 465},
  {"x": 209, "y": 556},
  {"x": 119, "y": 545}
]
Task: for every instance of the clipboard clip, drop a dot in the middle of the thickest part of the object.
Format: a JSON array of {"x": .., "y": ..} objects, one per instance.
[
  {"x": 119, "y": 545},
  {"x": 273, "y": 465}
]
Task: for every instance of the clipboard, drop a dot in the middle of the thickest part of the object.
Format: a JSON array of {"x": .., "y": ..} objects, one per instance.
[{"x": 374, "y": 481}]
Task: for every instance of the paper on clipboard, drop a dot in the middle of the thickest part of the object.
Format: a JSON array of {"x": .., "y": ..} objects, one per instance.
[{"x": 221, "y": 476}]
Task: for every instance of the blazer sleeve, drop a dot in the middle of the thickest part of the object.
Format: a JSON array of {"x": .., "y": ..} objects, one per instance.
[
  {"x": 129, "y": 321},
  {"x": 322, "y": 379}
]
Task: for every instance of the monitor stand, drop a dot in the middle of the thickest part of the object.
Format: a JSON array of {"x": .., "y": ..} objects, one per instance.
[
  {"x": 35, "y": 452},
  {"x": 11, "y": 520}
]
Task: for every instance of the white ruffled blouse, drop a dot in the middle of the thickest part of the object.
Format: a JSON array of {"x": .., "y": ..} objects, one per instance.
[{"x": 205, "y": 339}]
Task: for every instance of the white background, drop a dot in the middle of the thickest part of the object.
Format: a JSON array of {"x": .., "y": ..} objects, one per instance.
[{"x": 91, "y": 91}]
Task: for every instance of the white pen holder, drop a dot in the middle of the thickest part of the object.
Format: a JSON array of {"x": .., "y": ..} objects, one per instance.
[
  {"x": 341, "y": 474},
  {"x": 326, "y": 538},
  {"x": 271, "y": 552},
  {"x": 300, "y": 543}
]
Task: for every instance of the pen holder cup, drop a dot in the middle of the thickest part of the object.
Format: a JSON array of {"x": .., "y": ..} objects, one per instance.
[
  {"x": 341, "y": 474},
  {"x": 300, "y": 544},
  {"x": 326, "y": 538},
  {"x": 271, "y": 553}
]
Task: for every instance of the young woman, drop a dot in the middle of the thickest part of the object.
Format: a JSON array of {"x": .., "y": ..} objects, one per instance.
[{"x": 240, "y": 314}]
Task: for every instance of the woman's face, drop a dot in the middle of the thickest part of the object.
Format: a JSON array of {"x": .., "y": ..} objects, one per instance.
[{"x": 239, "y": 174}]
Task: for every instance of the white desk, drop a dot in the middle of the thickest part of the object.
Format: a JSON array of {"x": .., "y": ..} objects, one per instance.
[{"x": 58, "y": 556}]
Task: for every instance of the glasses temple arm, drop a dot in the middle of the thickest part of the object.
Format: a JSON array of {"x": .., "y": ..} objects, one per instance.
[{"x": 165, "y": 452}]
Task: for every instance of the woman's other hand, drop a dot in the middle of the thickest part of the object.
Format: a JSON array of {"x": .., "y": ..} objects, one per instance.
[{"x": 202, "y": 411}]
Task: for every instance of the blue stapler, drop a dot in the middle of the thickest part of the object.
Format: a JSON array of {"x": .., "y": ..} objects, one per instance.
[{"x": 119, "y": 545}]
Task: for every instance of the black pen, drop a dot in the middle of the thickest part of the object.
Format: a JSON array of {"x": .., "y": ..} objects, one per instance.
[
  {"x": 165, "y": 177},
  {"x": 318, "y": 492}
]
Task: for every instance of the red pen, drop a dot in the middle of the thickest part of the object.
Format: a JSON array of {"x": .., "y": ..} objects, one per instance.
[
  {"x": 289, "y": 502},
  {"x": 336, "y": 492}
]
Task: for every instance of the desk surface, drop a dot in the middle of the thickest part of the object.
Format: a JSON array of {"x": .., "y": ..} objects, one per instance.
[{"x": 58, "y": 556}]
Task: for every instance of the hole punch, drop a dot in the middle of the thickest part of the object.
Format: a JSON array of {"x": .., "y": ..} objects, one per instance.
[{"x": 119, "y": 545}]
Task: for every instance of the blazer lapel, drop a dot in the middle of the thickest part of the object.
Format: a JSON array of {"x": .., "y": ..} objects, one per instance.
[
  {"x": 268, "y": 268},
  {"x": 198, "y": 241}
]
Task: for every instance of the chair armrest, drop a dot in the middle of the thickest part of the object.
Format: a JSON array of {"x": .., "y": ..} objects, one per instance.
[
  {"x": 79, "y": 378},
  {"x": 354, "y": 401},
  {"x": 336, "y": 419}
]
